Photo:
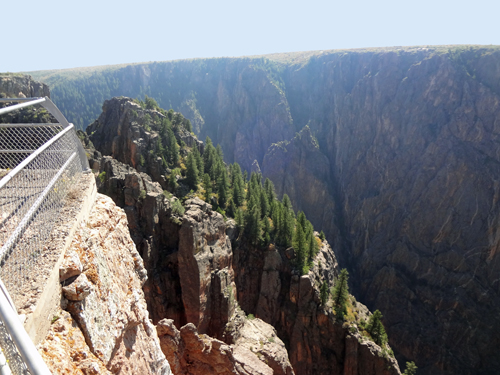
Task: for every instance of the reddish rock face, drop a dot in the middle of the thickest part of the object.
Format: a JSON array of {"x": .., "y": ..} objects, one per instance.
[{"x": 205, "y": 268}]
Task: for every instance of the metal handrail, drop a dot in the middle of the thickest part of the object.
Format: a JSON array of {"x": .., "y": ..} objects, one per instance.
[
  {"x": 26, "y": 102},
  {"x": 71, "y": 149},
  {"x": 14, "y": 327}
]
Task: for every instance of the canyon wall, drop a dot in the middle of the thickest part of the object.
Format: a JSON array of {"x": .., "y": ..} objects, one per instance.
[
  {"x": 206, "y": 286},
  {"x": 398, "y": 167}
]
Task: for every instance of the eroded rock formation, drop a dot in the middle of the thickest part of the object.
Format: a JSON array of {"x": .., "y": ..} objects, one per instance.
[
  {"x": 109, "y": 330},
  {"x": 21, "y": 86}
]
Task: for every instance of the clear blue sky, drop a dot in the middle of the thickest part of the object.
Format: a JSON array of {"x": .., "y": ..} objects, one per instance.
[{"x": 55, "y": 34}]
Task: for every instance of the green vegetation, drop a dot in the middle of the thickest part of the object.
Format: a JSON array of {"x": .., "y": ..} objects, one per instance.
[
  {"x": 340, "y": 295},
  {"x": 177, "y": 207},
  {"x": 324, "y": 293},
  {"x": 102, "y": 177},
  {"x": 376, "y": 329},
  {"x": 411, "y": 369}
]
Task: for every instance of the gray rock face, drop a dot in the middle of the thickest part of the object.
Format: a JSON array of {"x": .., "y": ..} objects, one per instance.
[
  {"x": 21, "y": 86},
  {"x": 412, "y": 142}
]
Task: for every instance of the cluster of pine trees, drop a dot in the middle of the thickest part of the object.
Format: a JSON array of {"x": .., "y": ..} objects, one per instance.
[{"x": 261, "y": 218}]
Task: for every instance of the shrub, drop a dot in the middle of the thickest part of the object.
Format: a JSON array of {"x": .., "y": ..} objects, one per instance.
[
  {"x": 178, "y": 208},
  {"x": 102, "y": 177}
]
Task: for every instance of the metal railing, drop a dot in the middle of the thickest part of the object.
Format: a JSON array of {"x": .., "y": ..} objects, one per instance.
[{"x": 39, "y": 164}]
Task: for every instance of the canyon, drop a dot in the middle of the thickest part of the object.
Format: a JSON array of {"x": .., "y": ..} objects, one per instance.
[{"x": 397, "y": 165}]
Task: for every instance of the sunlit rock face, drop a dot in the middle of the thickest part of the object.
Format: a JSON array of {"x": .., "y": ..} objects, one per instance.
[{"x": 109, "y": 330}]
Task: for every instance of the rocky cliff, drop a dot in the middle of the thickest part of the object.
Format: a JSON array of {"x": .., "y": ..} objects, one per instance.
[
  {"x": 21, "y": 86},
  {"x": 203, "y": 281},
  {"x": 404, "y": 176},
  {"x": 104, "y": 327}
]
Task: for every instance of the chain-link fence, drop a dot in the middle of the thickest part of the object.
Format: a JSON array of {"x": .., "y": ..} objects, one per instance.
[{"x": 39, "y": 164}]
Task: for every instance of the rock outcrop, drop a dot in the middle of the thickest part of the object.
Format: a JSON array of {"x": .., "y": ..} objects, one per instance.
[
  {"x": 256, "y": 351},
  {"x": 109, "y": 330},
  {"x": 120, "y": 132},
  {"x": 21, "y": 86}
]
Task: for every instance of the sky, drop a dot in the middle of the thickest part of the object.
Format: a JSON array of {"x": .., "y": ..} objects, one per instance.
[{"x": 59, "y": 34}]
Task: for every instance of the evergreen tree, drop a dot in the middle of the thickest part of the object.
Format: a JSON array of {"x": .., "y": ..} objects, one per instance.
[
  {"x": 324, "y": 292},
  {"x": 322, "y": 235},
  {"x": 312, "y": 246},
  {"x": 172, "y": 180},
  {"x": 207, "y": 186},
  {"x": 287, "y": 226},
  {"x": 231, "y": 208},
  {"x": 237, "y": 185},
  {"x": 208, "y": 155},
  {"x": 376, "y": 329},
  {"x": 266, "y": 228},
  {"x": 300, "y": 247},
  {"x": 269, "y": 188},
  {"x": 198, "y": 159},
  {"x": 240, "y": 221},
  {"x": 222, "y": 187},
  {"x": 191, "y": 172},
  {"x": 172, "y": 146},
  {"x": 411, "y": 368},
  {"x": 187, "y": 125},
  {"x": 220, "y": 154},
  {"x": 253, "y": 225},
  {"x": 159, "y": 147},
  {"x": 276, "y": 218},
  {"x": 264, "y": 203},
  {"x": 238, "y": 192},
  {"x": 341, "y": 295}
]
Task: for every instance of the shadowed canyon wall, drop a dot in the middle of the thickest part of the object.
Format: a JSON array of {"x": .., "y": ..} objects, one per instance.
[{"x": 399, "y": 165}]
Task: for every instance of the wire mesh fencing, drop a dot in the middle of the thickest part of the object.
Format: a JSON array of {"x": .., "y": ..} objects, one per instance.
[
  {"x": 39, "y": 164},
  {"x": 18, "y": 141},
  {"x": 31, "y": 200}
]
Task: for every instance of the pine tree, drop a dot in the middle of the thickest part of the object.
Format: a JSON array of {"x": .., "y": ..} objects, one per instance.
[
  {"x": 287, "y": 225},
  {"x": 253, "y": 225},
  {"x": 198, "y": 159},
  {"x": 207, "y": 186},
  {"x": 264, "y": 203},
  {"x": 172, "y": 146},
  {"x": 172, "y": 180},
  {"x": 208, "y": 155},
  {"x": 266, "y": 228},
  {"x": 269, "y": 188},
  {"x": 237, "y": 185},
  {"x": 222, "y": 187},
  {"x": 240, "y": 220},
  {"x": 376, "y": 329},
  {"x": 300, "y": 247},
  {"x": 411, "y": 368},
  {"x": 341, "y": 294},
  {"x": 231, "y": 208},
  {"x": 238, "y": 191},
  {"x": 191, "y": 172},
  {"x": 324, "y": 292}
]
